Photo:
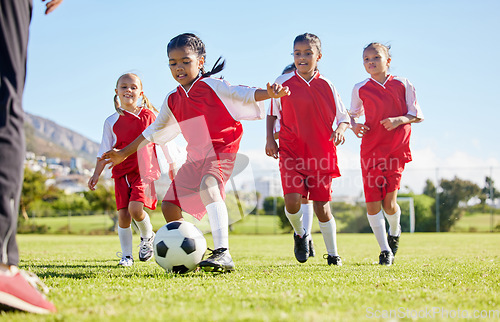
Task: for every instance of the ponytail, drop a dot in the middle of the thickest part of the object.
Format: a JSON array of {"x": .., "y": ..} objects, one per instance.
[
  {"x": 146, "y": 103},
  {"x": 218, "y": 67},
  {"x": 117, "y": 105}
]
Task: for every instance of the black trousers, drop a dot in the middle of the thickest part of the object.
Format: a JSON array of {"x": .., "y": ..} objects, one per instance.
[{"x": 15, "y": 17}]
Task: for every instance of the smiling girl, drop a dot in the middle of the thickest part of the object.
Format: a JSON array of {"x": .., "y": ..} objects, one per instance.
[
  {"x": 389, "y": 104},
  {"x": 208, "y": 112},
  {"x": 133, "y": 190},
  {"x": 312, "y": 123}
]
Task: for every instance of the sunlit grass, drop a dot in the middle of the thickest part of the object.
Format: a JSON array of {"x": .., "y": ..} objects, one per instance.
[{"x": 448, "y": 271}]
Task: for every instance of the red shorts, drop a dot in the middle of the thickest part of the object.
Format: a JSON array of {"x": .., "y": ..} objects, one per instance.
[
  {"x": 316, "y": 187},
  {"x": 184, "y": 191},
  {"x": 381, "y": 179},
  {"x": 131, "y": 187}
]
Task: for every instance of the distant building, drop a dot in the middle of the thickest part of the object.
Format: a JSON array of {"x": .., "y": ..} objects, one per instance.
[
  {"x": 268, "y": 187},
  {"x": 76, "y": 165}
]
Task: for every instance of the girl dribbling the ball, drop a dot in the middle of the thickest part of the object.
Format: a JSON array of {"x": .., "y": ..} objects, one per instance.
[{"x": 208, "y": 112}]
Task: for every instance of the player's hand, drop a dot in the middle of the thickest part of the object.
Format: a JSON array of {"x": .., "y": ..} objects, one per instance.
[
  {"x": 92, "y": 182},
  {"x": 272, "y": 148},
  {"x": 391, "y": 123},
  {"x": 52, "y": 5},
  {"x": 337, "y": 138},
  {"x": 360, "y": 129},
  {"x": 112, "y": 157},
  {"x": 277, "y": 90}
]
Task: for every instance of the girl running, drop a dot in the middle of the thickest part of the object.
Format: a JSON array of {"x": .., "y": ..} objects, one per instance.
[
  {"x": 306, "y": 205},
  {"x": 308, "y": 140},
  {"x": 134, "y": 188},
  {"x": 208, "y": 112},
  {"x": 389, "y": 104}
]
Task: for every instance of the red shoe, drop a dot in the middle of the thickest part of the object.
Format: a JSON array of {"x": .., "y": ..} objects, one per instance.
[{"x": 20, "y": 291}]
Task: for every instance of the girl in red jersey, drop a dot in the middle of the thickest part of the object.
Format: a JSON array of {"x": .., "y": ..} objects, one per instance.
[
  {"x": 389, "y": 104},
  {"x": 208, "y": 112},
  {"x": 134, "y": 188},
  {"x": 308, "y": 140},
  {"x": 306, "y": 205}
]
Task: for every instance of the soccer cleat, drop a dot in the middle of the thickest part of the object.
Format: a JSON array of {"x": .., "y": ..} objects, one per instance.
[
  {"x": 24, "y": 291},
  {"x": 312, "y": 252},
  {"x": 386, "y": 258},
  {"x": 125, "y": 261},
  {"x": 301, "y": 248},
  {"x": 333, "y": 260},
  {"x": 146, "y": 248},
  {"x": 393, "y": 243},
  {"x": 219, "y": 261}
]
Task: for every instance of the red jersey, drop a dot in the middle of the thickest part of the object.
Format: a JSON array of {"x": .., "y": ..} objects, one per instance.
[
  {"x": 307, "y": 118},
  {"x": 119, "y": 131},
  {"x": 208, "y": 115},
  {"x": 396, "y": 97}
]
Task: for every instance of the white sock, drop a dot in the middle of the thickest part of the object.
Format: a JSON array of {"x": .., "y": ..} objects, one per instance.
[
  {"x": 125, "y": 235},
  {"x": 308, "y": 215},
  {"x": 296, "y": 222},
  {"x": 145, "y": 227},
  {"x": 377, "y": 223},
  {"x": 394, "y": 222},
  {"x": 219, "y": 223},
  {"x": 329, "y": 232}
]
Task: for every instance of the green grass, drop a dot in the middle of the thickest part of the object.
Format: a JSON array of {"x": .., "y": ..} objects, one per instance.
[
  {"x": 446, "y": 271},
  {"x": 476, "y": 223},
  {"x": 99, "y": 224}
]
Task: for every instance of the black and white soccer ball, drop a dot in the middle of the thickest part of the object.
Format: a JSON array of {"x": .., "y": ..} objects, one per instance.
[{"x": 179, "y": 247}]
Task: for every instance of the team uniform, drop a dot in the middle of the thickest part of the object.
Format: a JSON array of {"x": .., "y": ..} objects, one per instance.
[
  {"x": 308, "y": 159},
  {"x": 208, "y": 115},
  {"x": 384, "y": 153},
  {"x": 134, "y": 177}
]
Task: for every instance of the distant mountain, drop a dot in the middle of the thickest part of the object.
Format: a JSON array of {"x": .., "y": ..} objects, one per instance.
[{"x": 45, "y": 137}]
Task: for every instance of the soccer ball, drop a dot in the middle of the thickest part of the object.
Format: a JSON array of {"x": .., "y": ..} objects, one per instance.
[{"x": 179, "y": 246}]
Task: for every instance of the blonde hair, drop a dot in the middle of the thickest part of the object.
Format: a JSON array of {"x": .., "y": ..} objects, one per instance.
[{"x": 146, "y": 103}]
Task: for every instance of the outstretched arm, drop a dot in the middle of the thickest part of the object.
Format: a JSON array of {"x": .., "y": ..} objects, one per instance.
[
  {"x": 115, "y": 156},
  {"x": 273, "y": 91},
  {"x": 393, "y": 122}
]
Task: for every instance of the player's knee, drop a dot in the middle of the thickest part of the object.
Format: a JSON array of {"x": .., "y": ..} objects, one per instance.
[
  {"x": 390, "y": 207},
  {"x": 292, "y": 203}
]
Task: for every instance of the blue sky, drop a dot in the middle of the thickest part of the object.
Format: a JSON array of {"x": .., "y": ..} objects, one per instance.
[{"x": 447, "y": 49}]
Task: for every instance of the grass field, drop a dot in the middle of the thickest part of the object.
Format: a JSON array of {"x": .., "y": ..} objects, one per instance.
[
  {"x": 97, "y": 224},
  {"x": 435, "y": 275},
  {"x": 476, "y": 223}
]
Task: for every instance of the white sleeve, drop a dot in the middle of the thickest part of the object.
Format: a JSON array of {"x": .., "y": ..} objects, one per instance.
[
  {"x": 357, "y": 109},
  {"x": 108, "y": 136},
  {"x": 238, "y": 100},
  {"x": 341, "y": 113},
  {"x": 411, "y": 101},
  {"x": 165, "y": 128},
  {"x": 274, "y": 107}
]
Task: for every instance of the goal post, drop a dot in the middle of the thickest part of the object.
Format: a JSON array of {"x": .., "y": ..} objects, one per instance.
[{"x": 412, "y": 211}]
